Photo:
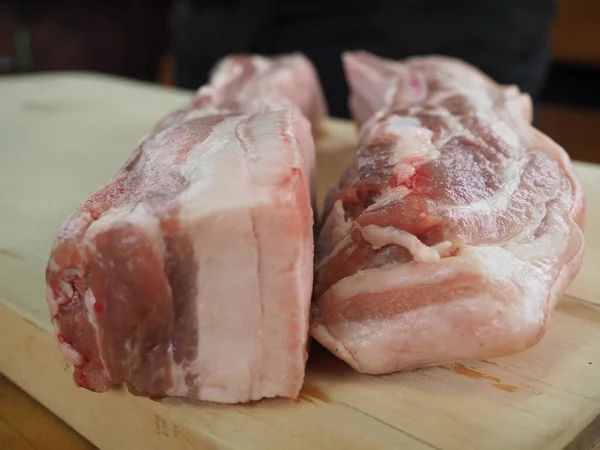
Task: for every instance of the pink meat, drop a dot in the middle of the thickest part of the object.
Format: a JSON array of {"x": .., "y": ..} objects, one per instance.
[
  {"x": 254, "y": 83},
  {"x": 190, "y": 273},
  {"x": 455, "y": 230}
]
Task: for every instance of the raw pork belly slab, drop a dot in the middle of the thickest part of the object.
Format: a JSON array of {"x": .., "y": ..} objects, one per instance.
[
  {"x": 190, "y": 273},
  {"x": 455, "y": 230},
  {"x": 254, "y": 83}
]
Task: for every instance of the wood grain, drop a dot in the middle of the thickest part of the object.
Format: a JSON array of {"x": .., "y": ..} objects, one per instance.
[
  {"x": 26, "y": 424},
  {"x": 544, "y": 398}
]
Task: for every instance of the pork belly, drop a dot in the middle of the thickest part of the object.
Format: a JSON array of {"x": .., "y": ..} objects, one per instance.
[
  {"x": 456, "y": 228},
  {"x": 190, "y": 273}
]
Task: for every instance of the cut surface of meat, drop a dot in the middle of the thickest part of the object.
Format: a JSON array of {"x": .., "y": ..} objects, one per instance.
[
  {"x": 456, "y": 228},
  {"x": 190, "y": 273}
]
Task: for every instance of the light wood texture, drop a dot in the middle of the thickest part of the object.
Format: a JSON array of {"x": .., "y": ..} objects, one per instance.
[
  {"x": 25, "y": 424},
  {"x": 62, "y": 136}
]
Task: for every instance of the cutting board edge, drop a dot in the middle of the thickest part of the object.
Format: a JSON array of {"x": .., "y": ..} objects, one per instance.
[
  {"x": 147, "y": 418},
  {"x": 56, "y": 371},
  {"x": 49, "y": 344}
]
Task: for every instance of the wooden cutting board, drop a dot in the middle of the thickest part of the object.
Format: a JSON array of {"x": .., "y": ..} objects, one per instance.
[{"x": 63, "y": 135}]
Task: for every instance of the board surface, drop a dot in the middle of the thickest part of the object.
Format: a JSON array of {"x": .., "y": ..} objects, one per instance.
[{"x": 61, "y": 136}]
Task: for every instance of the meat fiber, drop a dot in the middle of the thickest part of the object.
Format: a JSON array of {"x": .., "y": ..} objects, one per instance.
[
  {"x": 455, "y": 230},
  {"x": 190, "y": 273}
]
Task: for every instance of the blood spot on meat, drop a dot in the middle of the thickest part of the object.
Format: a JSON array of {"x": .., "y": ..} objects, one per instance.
[
  {"x": 98, "y": 307},
  {"x": 81, "y": 379}
]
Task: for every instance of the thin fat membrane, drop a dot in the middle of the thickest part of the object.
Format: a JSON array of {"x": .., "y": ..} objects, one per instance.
[
  {"x": 189, "y": 274},
  {"x": 456, "y": 228}
]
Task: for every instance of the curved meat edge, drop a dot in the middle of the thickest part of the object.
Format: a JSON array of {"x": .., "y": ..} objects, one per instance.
[{"x": 480, "y": 301}]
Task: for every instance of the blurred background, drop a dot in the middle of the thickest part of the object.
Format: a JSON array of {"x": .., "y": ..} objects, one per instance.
[{"x": 131, "y": 38}]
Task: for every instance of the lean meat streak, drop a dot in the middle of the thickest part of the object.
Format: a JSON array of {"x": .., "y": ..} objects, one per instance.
[
  {"x": 455, "y": 230},
  {"x": 190, "y": 273}
]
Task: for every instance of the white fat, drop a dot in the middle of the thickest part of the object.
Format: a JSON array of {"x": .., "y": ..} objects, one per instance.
[
  {"x": 179, "y": 388},
  {"x": 463, "y": 132},
  {"x": 379, "y": 237},
  {"x": 52, "y": 303},
  {"x": 444, "y": 248},
  {"x": 399, "y": 123},
  {"x": 341, "y": 226},
  {"x": 413, "y": 142},
  {"x": 404, "y": 171},
  {"x": 494, "y": 264},
  {"x": 370, "y": 127},
  {"x": 390, "y": 92},
  {"x": 205, "y": 162},
  {"x": 261, "y": 64},
  {"x": 89, "y": 301},
  {"x": 224, "y": 212},
  {"x": 67, "y": 289},
  {"x": 204, "y": 112},
  {"x": 408, "y": 339},
  {"x": 204, "y": 91},
  {"x": 235, "y": 70},
  {"x": 439, "y": 96},
  {"x": 547, "y": 247},
  {"x": 389, "y": 197},
  {"x": 178, "y": 375},
  {"x": 138, "y": 216},
  {"x": 472, "y": 87},
  {"x": 53, "y": 266},
  {"x": 71, "y": 227},
  {"x": 71, "y": 354},
  {"x": 507, "y": 133},
  {"x": 225, "y": 71}
]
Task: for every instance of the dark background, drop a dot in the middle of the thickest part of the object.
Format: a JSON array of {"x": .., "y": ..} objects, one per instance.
[{"x": 130, "y": 38}]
